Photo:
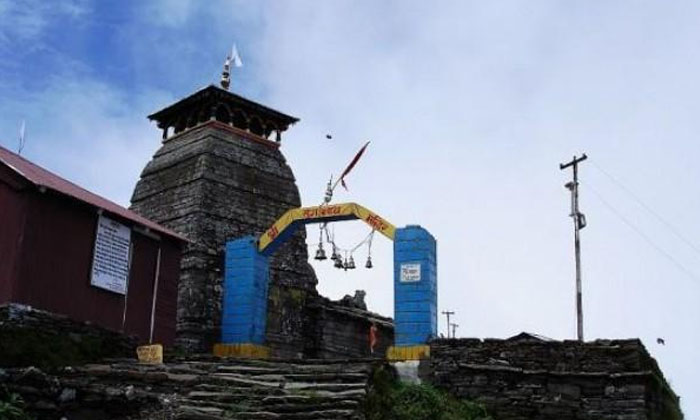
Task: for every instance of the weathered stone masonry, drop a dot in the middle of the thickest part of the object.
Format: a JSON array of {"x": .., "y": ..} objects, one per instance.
[
  {"x": 34, "y": 337},
  {"x": 535, "y": 379},
  {"x": 219, "y": 178},
  {"x": 211, "y": 184}
]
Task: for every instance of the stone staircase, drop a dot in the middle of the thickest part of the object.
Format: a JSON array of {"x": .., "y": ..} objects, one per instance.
[
  {"x": 275, "y": 390},
  {"x": 203, "y": 388}
]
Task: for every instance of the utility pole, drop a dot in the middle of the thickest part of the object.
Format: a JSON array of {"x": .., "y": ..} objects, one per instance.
[
  {"x": 579, "y": 223},
  {"x": 448, "y": 313},
  {"x": 454, "y": 327}
]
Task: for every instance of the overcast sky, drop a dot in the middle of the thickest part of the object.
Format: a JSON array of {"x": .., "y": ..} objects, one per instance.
[{"x": 470, "y": 107}]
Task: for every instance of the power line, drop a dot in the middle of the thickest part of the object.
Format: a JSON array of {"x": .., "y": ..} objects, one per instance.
[
  {"x": 646, "y": 207},
  {"x": 643, "y": 235}
]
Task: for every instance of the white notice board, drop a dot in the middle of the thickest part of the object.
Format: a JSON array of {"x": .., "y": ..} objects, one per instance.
[
  {"x": 110, "y": 264},
  {"x": 410, "y": 273}
]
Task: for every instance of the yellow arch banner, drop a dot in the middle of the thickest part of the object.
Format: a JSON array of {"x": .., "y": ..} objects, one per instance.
[{"x": 326, "y": 213}]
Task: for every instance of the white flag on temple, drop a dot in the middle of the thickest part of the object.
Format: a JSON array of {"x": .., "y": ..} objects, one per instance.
[
  {"x": 22, "y": 134},
  {"x": 235, "y": 57},
  {"x": 22, "y": 130}
]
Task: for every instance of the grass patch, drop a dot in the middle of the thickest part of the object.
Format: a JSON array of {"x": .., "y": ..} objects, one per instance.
[
  {"x": 12, "y": 406},
  {"x": 28, "y": 347},
  {"x": 389, "y": 399}
]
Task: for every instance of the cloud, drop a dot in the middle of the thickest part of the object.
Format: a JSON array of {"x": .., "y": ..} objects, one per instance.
[
  {"x": 216, "y": 15},
  {"x": 23, "y": 21},
  {"x": 76, "y": 9},
  {"x": 170, "y": 12},
  {"x": 88, "y": 132}
]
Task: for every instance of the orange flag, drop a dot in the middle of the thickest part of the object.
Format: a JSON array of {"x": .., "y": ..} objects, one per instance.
[{"x": 352, "y": 165}]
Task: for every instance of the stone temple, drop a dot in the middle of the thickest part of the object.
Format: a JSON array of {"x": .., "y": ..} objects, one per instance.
[{"x": 218, "y": 175}]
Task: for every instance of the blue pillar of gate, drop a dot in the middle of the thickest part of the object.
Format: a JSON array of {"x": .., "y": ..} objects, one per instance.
[
  {"x": 244, "y": 315},
  {"x": 415, "y": 293}
]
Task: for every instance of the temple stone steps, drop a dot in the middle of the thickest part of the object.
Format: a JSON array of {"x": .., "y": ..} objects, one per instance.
[
  {"x": 203, "y": 388},
  {"x": 278, "y": 390}
]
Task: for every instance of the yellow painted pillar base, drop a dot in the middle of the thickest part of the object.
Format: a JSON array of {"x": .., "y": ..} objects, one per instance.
[
  {"x": 408, "y": 352},
  {"x": 151, "y": 354},
  {"x": 242, "y": 351}
]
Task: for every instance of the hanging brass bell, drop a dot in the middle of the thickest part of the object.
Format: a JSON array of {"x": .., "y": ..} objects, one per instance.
[
  {"x": 338, "y": 262},
  {"x": 369, "y": 262},
  {"x": 320, "y": 253},
  {"x": 351, "y": 263}
]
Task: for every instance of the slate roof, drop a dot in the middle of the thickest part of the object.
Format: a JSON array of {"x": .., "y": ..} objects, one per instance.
[
  {"x": 212, "y": 92},
  {"x": 41, "y": 177}
]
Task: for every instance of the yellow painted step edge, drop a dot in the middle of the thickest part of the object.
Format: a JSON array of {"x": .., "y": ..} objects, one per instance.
[
  {"x": 408, "y": 352},
  {"x": 242, "y": 350}
]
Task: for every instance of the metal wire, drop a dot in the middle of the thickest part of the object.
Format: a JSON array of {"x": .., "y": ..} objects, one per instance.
[
  {"x": 330, "y": 238},
  {"x": 643, "y": 235},
  {"x": 646, "y": 207}
]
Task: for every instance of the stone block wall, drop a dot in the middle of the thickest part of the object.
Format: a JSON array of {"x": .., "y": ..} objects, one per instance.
[
  {"x": 33, "y": 337},
  {"x": 339, "y": 330},
  {"x": 536, "y": 379},
  {"x": 211, "y": 185}
]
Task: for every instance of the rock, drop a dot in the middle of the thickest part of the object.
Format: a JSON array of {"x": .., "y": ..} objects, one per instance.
[
  {"x": 67, "y": 395},
  {"x": 357, "y": 301},
  {"x": 129, "y": 392},
  {"x": 43, "y": 405}
]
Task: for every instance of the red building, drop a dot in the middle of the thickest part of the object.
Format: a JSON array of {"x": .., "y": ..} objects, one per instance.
[{"x": 66, "y": 250}]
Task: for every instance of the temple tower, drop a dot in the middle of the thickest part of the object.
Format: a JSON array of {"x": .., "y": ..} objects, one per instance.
[{"x": 219, "y": 174}]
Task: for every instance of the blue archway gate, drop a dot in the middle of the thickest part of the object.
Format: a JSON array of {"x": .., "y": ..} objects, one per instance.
[{"x": 247, "y": 274}]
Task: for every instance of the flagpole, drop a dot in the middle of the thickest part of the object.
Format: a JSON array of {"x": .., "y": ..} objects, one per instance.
[
  {"x": 331, "y": 187},
  {"x": 22, "y": 131}
]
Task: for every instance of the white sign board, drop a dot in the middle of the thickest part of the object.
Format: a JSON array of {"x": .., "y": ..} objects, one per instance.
[
  {"x": 110, "y": 264},
  {"x": 410, "y": 273}
]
